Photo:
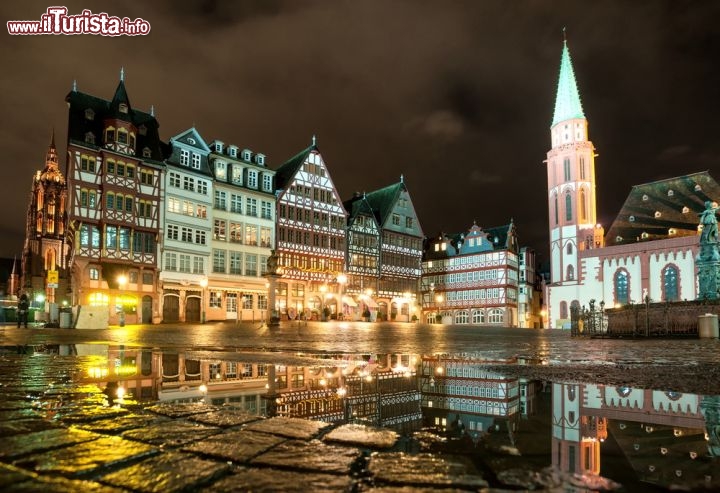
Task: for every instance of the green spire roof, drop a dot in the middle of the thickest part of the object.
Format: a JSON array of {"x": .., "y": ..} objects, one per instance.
[{"x": 567, "y": 103}]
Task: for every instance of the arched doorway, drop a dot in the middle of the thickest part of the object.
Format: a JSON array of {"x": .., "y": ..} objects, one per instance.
[
  {"x": 171, "y": 308},
  {"x": 192, "y": 309},
  {"x": 147, "y": 310}
]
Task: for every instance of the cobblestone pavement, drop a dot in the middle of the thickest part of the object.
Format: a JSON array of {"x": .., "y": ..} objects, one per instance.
[{"x": 60, "y": 434}]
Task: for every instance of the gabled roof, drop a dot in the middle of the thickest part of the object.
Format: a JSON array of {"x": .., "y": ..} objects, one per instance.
[
  {"x": 356, "y": 206},
  {"x": 285, "y": 173},
  {"x": 383, "y": 200},
  {"x": 500, "y": 237},
  {"x": 79, "y": 125},
  {"x": 567, "y": 101},
  {"x": 120, "y": 96},
  {"x": 651, "y": 210}
]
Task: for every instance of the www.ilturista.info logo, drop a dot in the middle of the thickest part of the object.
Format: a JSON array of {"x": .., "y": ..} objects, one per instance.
[{"x": 57, "y": 21}]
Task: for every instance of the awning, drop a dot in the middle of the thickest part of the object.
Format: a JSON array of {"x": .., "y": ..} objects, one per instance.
[
  {"x": 349, "y": 301},
  {"x": 370, "y": 302}
]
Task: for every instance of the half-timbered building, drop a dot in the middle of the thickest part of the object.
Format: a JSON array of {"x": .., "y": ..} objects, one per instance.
[
  {"x": 310, "y": 230},
  {"x": 471, "y": 278},
  {"x": 186, "y": 222},
  {"x": 243, "y": 233},
  {"x": 401, "y": 246},
  {"x": 114, "y": 167},
  {"x": 363, "y": 258},
  {"x": 46, "y": 248}
]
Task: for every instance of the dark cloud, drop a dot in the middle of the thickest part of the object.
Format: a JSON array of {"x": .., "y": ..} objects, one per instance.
[{"x": 456, "y": 96}]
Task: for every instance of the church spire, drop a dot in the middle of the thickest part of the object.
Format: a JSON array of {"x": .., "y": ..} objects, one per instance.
[{"x": 567, "y": 102}]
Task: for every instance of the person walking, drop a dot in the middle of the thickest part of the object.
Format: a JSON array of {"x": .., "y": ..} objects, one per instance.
[{"x": 22, "y": 310}]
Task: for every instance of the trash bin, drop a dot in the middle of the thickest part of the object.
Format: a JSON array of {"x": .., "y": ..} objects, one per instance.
[
  {"x": 708, "y": 326},
  {"x": 65, "y": 319}
]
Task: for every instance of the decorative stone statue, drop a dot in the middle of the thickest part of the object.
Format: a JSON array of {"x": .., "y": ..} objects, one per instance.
[
  {"x": 709, "y": 223},
  {"x": 272, "y": 263},
  {"x": 708, "y": 258}
]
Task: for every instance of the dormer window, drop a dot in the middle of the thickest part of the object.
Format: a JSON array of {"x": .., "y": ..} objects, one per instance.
[
  {"x": 185, "y": 157},
  {"x": 142, "y": 130},
  {"x": 246, "y": 154},
  {"x": 195, "y": 160},
  {"x": 644, "y": 235},
  {"x": 220, "y": 170},
  {"x": 147, "y": 152},
  {"x": 260, "y": 159},
  {"x": 685, "y": 210},
  {"x": 618, "y": 239},
  {"x": 672, "y": 231},
  {"x": 123, "y": 108},
  {"x": 645, "y": 198},
  {"x": 252, "y": 181},
  {"x": 191, "y": 141},
  {"x": 218, "y": 147},
  {"x": 631, "y": 219},
  {"x": 670, "y": 193},
  {"x": 89, "y": 138},
  {"x": 89, "y": 114},
  {"x": 698, "y": 188},
  {"x": 657, "y": 214}
]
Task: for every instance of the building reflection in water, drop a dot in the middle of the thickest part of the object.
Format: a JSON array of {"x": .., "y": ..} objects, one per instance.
[{"x": 666, "y": 438}]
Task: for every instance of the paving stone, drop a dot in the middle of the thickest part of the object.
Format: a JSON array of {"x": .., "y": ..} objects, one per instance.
[
  {"x": 415, "y": 489},
  {"x": 89, "y": 413},
  {"x": 169, "y": 472},
  {"x": 236, "y": 446},
  {"x": 10, "y": 428},
  {"x": 10, "y": 475},
  {"x": 171, "y": 433},
  {"x": 181, "y": 410},
  {"x": 289, "y": 427},
  {"x": 363, "y": 436},
  {"x": 85, "y": 458},
  {"x": 309, "y": 456},
  {"x": 226, "y": 418},
  {"x": 61, "y": 485},
  {"x": 424, "y": 470},
  {"x": 120, "y": 424},
  {"x": 273, "y": 480},
  {"x": 19, "y": 445}
]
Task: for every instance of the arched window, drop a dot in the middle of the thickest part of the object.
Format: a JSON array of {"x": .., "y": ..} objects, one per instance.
[
  {"x": 496, "y": 316},
  {"x": 582, "y": 168},
  {"x": 570, "y": 273},
  {"x": 568, "y": 207},
  {"x": 563, "y": 309},
  {"x": 110, "y": 201},
  {"x": 566, "y": 166},
  {"x": 557, "y": 214},
  {"x": 461, "y": 317},
  {"x": 670, "y": 283},
  {"x": 478, "y": 317},
  {"x": 622, "y": 287},
  {"x": 583, "y": 205}
]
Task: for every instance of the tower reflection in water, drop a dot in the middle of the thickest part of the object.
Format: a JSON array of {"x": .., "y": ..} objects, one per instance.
[{"x": 664, "y": 437}]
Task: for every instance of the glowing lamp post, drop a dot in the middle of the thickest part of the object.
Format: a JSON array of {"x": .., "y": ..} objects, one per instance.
[
  {"x": 121, "y": 280},
  {"x": 203, "y": 285}
]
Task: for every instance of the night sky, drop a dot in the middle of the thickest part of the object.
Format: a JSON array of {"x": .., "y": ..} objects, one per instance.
[{"x": 457, "y": 96}]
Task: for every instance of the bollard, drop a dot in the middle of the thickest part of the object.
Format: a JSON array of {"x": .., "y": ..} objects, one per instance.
[{"x": 708, "y": 326}]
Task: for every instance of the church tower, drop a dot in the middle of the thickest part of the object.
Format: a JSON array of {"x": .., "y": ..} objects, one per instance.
[
  {"x": 571, "y": 180},
  {"x": 45, "y": 253}
]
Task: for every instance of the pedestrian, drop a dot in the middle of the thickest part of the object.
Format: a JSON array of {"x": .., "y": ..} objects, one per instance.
[{"x": 22, "y": 310}]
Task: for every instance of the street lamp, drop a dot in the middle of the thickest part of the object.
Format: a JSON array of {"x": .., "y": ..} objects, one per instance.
[
  {"x": 203, "y": 285},
  {"x": 121, "y": 280}
]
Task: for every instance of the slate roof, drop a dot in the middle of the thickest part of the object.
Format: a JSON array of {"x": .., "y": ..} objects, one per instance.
[
  {"x": 383, "y": 200},
  {"x": 567, "y": 101},
  {"x": 654, "y": 208},
  {"x": 79, "y": 125},
  {"x": 502, "y": 233},
  {"x": 357, "y": 205},
  {"x": 285, "y": 173}
]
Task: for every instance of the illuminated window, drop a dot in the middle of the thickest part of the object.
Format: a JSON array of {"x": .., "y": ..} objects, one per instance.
[
  {"x": 622, "y": 287},
  {"x": 94, "y": 274},
  {"x": 98, "y": 299},
  {"x": 670, "y": 283}
]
